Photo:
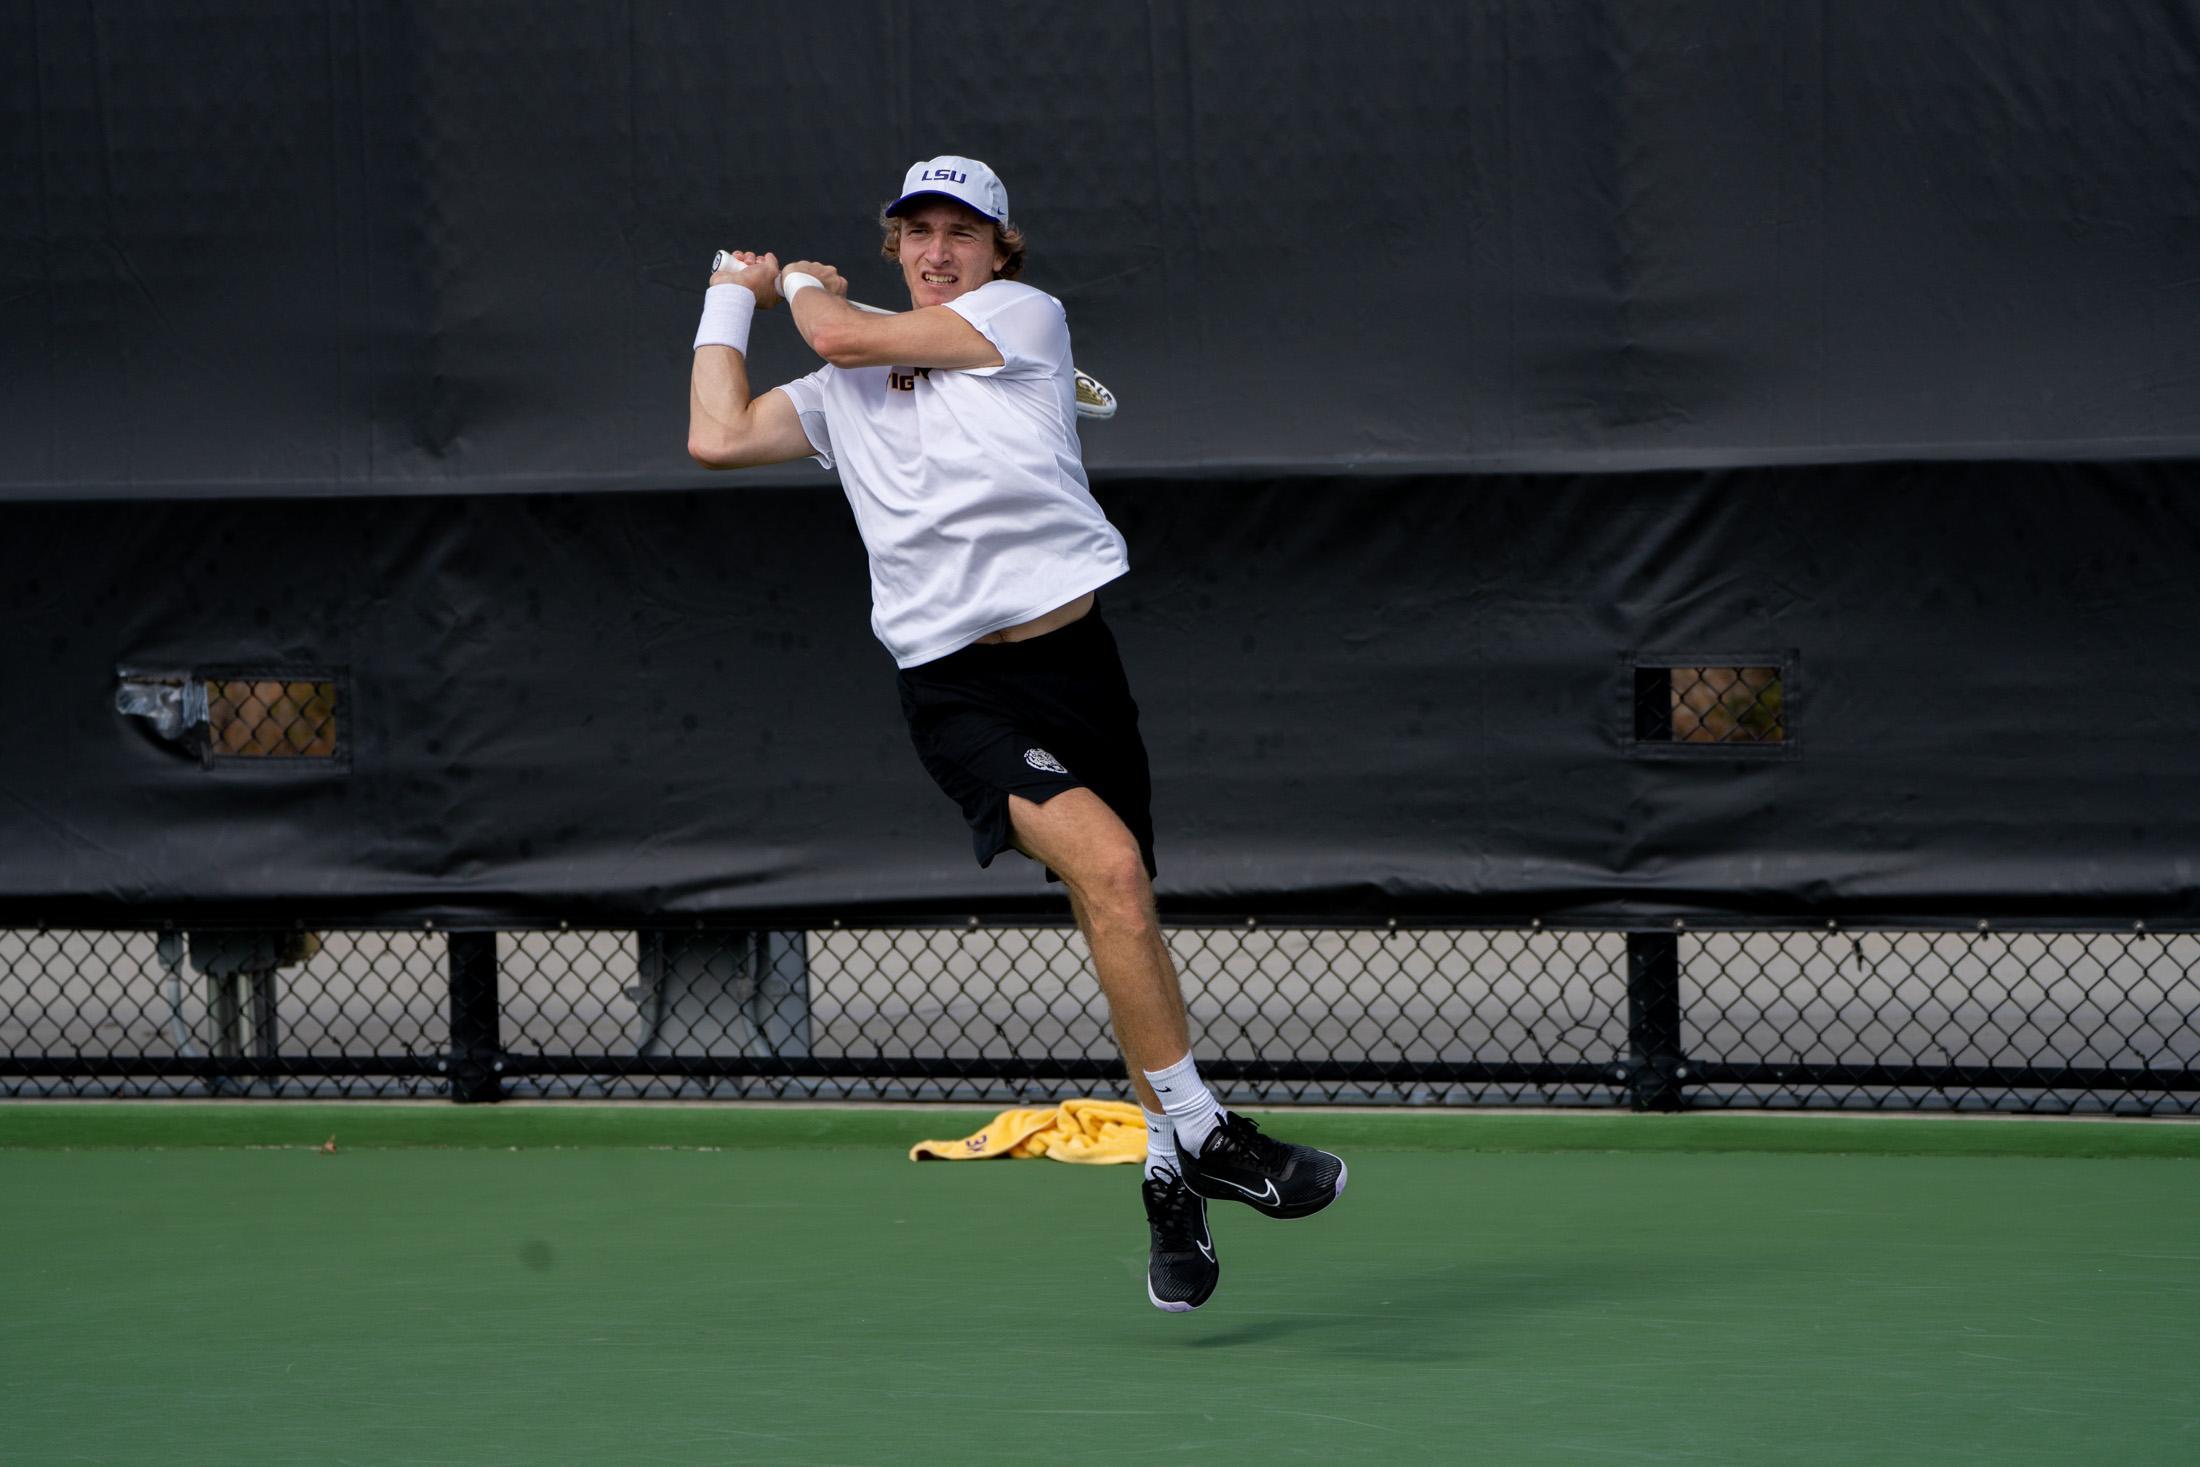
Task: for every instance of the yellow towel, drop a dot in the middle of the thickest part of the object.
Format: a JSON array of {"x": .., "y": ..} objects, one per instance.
[{"x": 1094, "y": 1132}]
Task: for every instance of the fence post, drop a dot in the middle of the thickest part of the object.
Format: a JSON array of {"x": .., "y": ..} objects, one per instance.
[
  {"x": 1654, "y": 1020},
  {"x": 476, "y": 1046}
]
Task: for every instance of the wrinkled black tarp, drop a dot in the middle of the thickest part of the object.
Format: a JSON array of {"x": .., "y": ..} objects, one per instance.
[
  {"x": 355, "y": 336},
  {"x": 1362, "y": 696},
  {"x": 402, "y": 248}
]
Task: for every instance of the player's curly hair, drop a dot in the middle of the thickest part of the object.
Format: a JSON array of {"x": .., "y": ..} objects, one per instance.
[{"x": 1007, "y": 238}]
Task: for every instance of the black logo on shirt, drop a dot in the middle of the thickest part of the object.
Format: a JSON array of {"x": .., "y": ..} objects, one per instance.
[{"x": 905, "y": 381}]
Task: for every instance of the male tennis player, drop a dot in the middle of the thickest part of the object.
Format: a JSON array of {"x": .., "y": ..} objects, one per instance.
[{"x": 953, "y": 427}]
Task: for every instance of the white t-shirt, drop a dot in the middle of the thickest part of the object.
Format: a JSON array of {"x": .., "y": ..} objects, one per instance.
[{"x": 968, "y": 486}]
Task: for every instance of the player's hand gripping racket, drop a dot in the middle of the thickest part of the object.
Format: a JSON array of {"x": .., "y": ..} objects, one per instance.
[{"x": 1093, "y": 399}]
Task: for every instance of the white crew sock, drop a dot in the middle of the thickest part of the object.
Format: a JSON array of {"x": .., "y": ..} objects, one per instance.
[
  {"x": 1190, "y": 1104},
  {"x": 1160, "y": 1143}
]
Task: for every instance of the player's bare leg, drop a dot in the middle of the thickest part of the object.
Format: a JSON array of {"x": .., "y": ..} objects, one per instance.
[
  {"x": 1093, "y": 851},
  {"x": 1098, "y": 859},
  {"x": 1219, "y": 1156}
]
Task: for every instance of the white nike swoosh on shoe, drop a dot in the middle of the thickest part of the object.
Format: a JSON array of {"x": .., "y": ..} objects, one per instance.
[
  {"x": 1268, "y": 1192},
  {"x": 1206, "y": 1251}
]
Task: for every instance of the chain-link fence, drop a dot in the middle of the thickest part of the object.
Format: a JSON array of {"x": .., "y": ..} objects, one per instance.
[{"x": 2027, "y": 1021}]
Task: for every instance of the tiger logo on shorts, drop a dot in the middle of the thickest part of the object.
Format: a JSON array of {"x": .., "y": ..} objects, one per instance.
[{"x": 1041, "y": 759}]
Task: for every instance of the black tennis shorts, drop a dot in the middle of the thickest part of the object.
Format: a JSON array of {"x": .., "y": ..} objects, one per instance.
[{"x": 1031, "y": 718}]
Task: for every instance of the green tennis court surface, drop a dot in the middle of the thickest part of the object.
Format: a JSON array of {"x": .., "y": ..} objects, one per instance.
[{"x": 1593, "y": 1290}]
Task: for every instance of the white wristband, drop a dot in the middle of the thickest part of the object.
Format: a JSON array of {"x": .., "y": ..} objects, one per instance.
[
  {"x": 727, "y": 311},
  {"x": 794, "y": 282}
]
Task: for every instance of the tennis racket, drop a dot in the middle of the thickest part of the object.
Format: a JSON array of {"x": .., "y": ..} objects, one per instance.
[{"x": 1093, "y": 399}]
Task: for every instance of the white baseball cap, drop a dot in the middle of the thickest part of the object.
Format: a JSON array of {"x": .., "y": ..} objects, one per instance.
[{"x": 965, "y": 180}]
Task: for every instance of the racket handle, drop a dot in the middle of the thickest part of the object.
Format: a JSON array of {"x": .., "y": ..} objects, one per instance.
[
  {"x": 724, "y": 260},
  {"x": 1093, "y": 400}
]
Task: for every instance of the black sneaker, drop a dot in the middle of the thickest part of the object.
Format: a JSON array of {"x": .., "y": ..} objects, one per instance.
[
  {"x": 1239, "y": 1164},
  {"x": 1182, "y": 1272}
]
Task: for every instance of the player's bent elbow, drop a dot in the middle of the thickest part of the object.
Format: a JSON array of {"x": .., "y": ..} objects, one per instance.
[
  {"x": 715, "y": 452},
  {"x": 840, "y": 346}
]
